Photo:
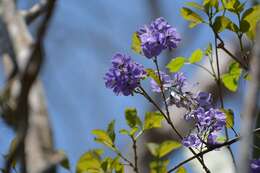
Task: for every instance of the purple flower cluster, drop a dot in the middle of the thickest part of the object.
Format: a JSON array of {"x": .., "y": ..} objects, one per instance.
[
  {"x": 159, "y": 35},
  {"x": 178, "y": 81},
  {"x": 208, "y": 120},
  {"x": 255, "y": 166},
  {"x": 124, "y": 75}
]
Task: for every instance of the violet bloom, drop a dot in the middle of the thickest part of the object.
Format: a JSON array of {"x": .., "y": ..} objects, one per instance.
[
  {"x": 179, "y": 81},
  {"x": 255, "y": 166},
  {"x": 166, "y": 82},
  {"x": 170, "y": 37},
  {"x": 124, "y": 75},
  {"x": 191, "y": 141},
  {"x": 157, "y": 37},
  {"x": 204, "y": 100}
]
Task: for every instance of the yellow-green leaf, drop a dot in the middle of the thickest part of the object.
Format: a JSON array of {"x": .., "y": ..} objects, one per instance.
[
  {"x": 111, "y": 130},
  {"x": 153, "y": 120},
  {"x": 136, "y": 43},
  {"x": 229, "y": 117},
  {"x": 176, "y": 64},
  {"x": 103, "y": 137},
  {"x": 181, "y": 170},
  {"x": 167, "y": 146},
  {"x": 230, "y": 79},
  {"x": 151, "y": 73},
  {"x": 191, "y": 16},
  {"x": 195, "y": 5},
  {"x": 132, "y": 118},
  {"x": 90, "y": 162},
  {"x": 252, "y": 16},
  {"x": 153, "y": 148},
  {"x": 196, "y": 56},
  {"x": 159, "y": 166},
  {"x": 221, "y": 23}
]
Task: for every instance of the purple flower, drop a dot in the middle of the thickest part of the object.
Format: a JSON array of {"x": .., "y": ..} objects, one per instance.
[
  {"x": 212, "y": 138},
  {"x": 157, "y": 37},
  {"x": 124, "y": 75},
  {"x": 255, "y": 166},
  {"x": 179, "y": 80},
  {"x": 204, "y": 100},
  {"x": 191, "y": 141},
  {"x": 170, "y": 37},
  {"x": 166, "y": 82}
]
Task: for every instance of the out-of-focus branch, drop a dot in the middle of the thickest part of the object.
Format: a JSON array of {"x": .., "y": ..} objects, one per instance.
[
  {"x": 34, "y": 12},
  {"x": 34, "y": 147},
  {"x": 250, "y": 107}
]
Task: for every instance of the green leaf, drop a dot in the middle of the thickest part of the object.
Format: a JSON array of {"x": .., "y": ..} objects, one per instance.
[
  {"x": 153, "y": 148},
  {"x": 151, "y": 73},
  {"x": 247, "y": 76},
  {"x": 208, "y": 50},
  {"x": 191, "y": 16},
  {"x": 221, "y": 23},
  {"x": 111, "y": 130},
  {"x": 195, "y": 5},
  {"x": 124, "y": 132},
  {"x": 167, "y": 146},
  {"x": 90, "y": 162},
  {"x": 181, "y": 170},
  {"x": 234, "y": 6},
  {"x": 153, "y": 120},
  {"x": 251, "y": 16},
  {"x": 136, "y": 43},
  {"x": 230, "y": 79},
  {"x": 210, "y": 3},
  {"x": 159, "y": 166},
  {"x": 103, "y": 137},
  {"x": 229, "y": 117},
  {"x": 196, "y": 56},
  {"x": 132, "y": 118},
  {"x": 176, "y": 64},
  {"x": 65, "y": 162},
  {"x": 244, "y": 26}
]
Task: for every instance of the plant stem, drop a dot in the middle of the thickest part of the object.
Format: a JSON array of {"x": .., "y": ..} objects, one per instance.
[
  {"x": 228, "y": 143},
  {"x": 145, "y": 94},
  {"x": 135, "y": 154}
]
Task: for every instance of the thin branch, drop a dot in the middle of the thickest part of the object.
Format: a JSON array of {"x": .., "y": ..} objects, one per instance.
[{"x": 230, "y": 142}]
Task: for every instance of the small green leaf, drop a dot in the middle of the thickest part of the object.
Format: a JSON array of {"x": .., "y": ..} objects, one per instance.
[
  {"x": 210, "y": 3},
  {"x": 221, "y": 23},
  {"x": 252, "y": 16},
  {"x": 208, "y": 50},
  {"x": 167, "y": 146},
  {"x": 133, "y": 131},
  {"x": 247, "y": 76},
  {"x": 195, "y": 5},
  {"x": 176, "y": 64},
  {"x": 191, "y": 16},
  {"x": 136, "y": 43},
  {"x": 196, "y": 56},
  {"x": 124, "y": 132},
  {"x": 132, "y": 118},
  {"x": 159, "y": 166},
  {"x": 234, "y": 6},
  {"x": 151, "y": 73},
  {"x": 181, "y": 170},
  {"x": 230, "y": 79},
  {"x": 229, "y": 117},
  {"x": 65, "y": 162},
  {"x": 153, "y": 148},
  {"x": 103, "y": 137},
  {"x": 111, "y": 130},
  {"x": 90, "y": 162},
  {"x": 153, "y": 120},
  {"x": 244, "y": 26}
]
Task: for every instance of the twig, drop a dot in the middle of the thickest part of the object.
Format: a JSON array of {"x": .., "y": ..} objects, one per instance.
[
  {"x": 135, "y": 154},
  {"x": 230, "y": 142}
]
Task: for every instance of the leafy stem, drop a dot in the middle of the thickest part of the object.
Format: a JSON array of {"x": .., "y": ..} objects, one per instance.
[{"x": 134, "y": 146}]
